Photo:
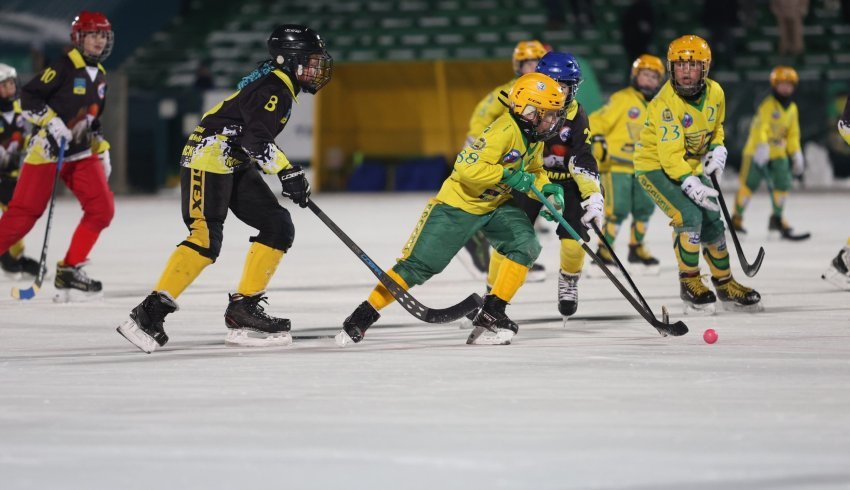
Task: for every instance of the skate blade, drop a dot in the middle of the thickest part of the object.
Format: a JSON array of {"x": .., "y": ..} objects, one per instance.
[
  {"x": 342, "y": 339},
  {"x": 836, "y": 278},
  {"x": 130, "y": 331},
  {"x": 691, "y": 309},
  {"x": 240, "y": 337},
  {"x": 565, "y": 319},
  {"x": 482, "y": 336},
  {"x": 733, "y": 306},
  {"x": 76, "y": 296}
]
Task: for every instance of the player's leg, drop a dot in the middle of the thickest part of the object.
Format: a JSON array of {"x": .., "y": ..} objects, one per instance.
[
  {"x": 749, "y": 180},
  {"x": 29, "y": 200},
  {"x": 87, "y": 181},
  {"x": 14, "y": 263},
  {"x": 642, "y": 208},
  {"x": 617, "y": 208},
  {"x": 571, "y": 253},
  {"x": 780, "y": 175},
  {"x": 205, "y": 197}
]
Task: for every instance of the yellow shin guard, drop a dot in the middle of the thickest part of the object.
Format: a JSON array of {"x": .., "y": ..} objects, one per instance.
[
  {"x": 510, "y": 278},
  {"x": 496, "y": 260},
  {"x": 380, "y": 297},
  {"x": 572, "y": 256},
  {"x": 260, "y": 265},
  {"x": 182, "y": 268}
]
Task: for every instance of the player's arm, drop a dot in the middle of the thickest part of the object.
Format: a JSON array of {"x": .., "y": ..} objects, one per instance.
[
  {"x": 261, "y": 112},
  {"x": 481, "y": 162},
  {"x": 36, "y": 94},
  {"x": 583, "y": 167},
  {"x": 719, "y": 136}
]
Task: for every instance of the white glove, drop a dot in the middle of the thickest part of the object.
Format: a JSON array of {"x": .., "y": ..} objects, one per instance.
[
  {"x": 57, "y": 130},
  {"x": 762, "y": 155},
  {"x": 106, "y": 162},
  {"x": 715, "y": 161},
  {"x": 798, "y": 163},
  {"x": 844, "y": 129},
  {"x": 700, "y": 193},
  {"x": 594, "y": 210},
  {"x": 553, "y": 161}
]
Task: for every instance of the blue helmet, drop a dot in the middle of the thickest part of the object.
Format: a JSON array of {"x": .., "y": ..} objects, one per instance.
[{"x": 563, "y": 68}]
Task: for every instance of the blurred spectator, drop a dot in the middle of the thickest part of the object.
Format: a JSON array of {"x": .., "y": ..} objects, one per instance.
[
  {"x": 720, "y": 16},
  {"x": 789, "y": 16},
  {"x": 637, "y": 26},
  {"x": 845, "y": 11},
  {"x": 203, "y": 77}
]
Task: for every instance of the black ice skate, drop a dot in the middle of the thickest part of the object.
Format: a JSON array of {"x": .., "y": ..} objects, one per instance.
[
  {"x": 839, "y": 270},
  {"x": 696, "y": 296},
  {"x": 74, "y": 285},
  {"x": 642, "y": 261},
  {"x": 15, "y": 268},
  {"x": 354, "y": 327},
  {"x": 536, "y": 273},
  {"x": 568, "y": 294},
  {"x": 248, "y": 325},
  {"x": 491, "y": 325},
  {"x": 738, "y": 224},
  {"x": 465, "y": 323},
  {"x": 778, "y": 228},
  {"x": 144, "y": 328},
  {"x": 594, "y": 271},
  {"x": 736, "y": 297}
]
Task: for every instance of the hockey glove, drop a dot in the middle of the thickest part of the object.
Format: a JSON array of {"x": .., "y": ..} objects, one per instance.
[
  {"x": 594, "y": 210},
  {"x": 762, "y": 155},
  {"x": 700, "y": 193},
  {"x": 715, "y": 161},
  {"x": 106, "y": 163},
  {"x": 844, "y": 129},
  {"x": 295, "y": 185},
  {"x": 519, "y": 180},
  {"x": 555, "y": 194},
  {"x": 798, "y": 164},
  {"x": 56, "y": 130}
]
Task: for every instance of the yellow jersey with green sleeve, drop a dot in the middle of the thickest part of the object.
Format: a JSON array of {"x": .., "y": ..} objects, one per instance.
[
  {"x": 776, "y": 125},
  {"x": 620, "y": 122},
  {"x": 488, "y": 110},
  {"x": 241, "y": 129},
  {"x": 677, "y": 133},
  {"x": 474, "y": 184}
]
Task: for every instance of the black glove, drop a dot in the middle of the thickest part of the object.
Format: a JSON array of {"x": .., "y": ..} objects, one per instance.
[{"x": 295, "y": 185}]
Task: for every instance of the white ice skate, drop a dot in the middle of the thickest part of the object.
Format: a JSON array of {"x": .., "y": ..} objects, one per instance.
[
  {"x": 838, "y": 272},
  {"x": 241, "y": 337},
  {"x": 131, "y": 331}
]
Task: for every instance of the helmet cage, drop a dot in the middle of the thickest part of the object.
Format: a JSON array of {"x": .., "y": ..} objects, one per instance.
[{"x": 688, "y": 90}]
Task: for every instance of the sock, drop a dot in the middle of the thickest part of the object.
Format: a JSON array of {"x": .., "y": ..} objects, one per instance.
[
  {"x": 638, "y": 232},
  {"x": 717, "y": 256},
  {"x": 572, "y": 256},
  {"x": 742, "y": 198},
  {"x": 259, "y": 268},
  {"x": 496, "y": 260},
  {"x": 778, "y": 202},
  {"x": 511, "y": 277},
  {"x": 686, "y": 247},
  {"x": 182, "y": 268},
  {"x": 380, "y": 297},
  {"x": 610, "y": 230},
  {"x": 17, "y": 249}
]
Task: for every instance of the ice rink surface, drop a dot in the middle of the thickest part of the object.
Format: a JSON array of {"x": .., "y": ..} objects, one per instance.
[{"x": 603, "y": 403}]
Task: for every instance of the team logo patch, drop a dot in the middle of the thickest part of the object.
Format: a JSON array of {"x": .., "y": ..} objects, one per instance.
[
  {"x": 511, "y": 156},
  {"x": 667, "y": 115},
  {"x": 541, "y": 86},
  {"x": 479, "y": 144},
  {"x": 634, "y": 112},
  {"x": 101, "y": 90},
  {"x": 687, "y": 120},
  {"x": 565, "y": 133},
  {"x": 775, "y": 114},
  {"x": 79, "y": 86}
]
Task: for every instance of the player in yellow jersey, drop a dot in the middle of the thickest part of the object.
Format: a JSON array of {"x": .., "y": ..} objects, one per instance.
[
  {"x": 616, "y": 128},
  {"x": 505, "y": 157},
  {"x": 838, "y": 272},
  {"x": 525, "y": 57},
  {"x": 683, "y": 139},
  {"x": 773, "y": 151}
]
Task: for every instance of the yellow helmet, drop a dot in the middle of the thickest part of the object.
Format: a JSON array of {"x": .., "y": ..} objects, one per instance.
[
  {"x": 783, "y": 74},
  {"x": 525, "y": 51},
  {"x": 538, "y": 104},
  {"x": 691, "y": 49},
  {"x": 648, "y": 62}
]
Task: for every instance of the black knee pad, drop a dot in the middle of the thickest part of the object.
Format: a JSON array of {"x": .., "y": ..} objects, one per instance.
[{"x": 278, "y": 232}]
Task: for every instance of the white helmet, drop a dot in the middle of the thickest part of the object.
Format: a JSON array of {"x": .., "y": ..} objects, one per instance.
[{"x": 7, "y": 72}]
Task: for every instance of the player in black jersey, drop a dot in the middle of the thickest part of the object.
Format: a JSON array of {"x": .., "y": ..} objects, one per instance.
[
  {"x": 14, "y": 263},
  {"x": 65, "y": 101},
  {"x": 219, "y": 170}
]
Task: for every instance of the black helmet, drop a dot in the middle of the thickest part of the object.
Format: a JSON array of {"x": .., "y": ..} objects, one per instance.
[{"x": 301, "y": 51}]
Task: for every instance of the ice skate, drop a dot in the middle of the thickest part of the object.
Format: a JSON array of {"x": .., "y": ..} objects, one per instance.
[
  {"x": 491, "y": 325},
  {"x": 465, "y": 322},
  {"x": 596, "y": 272},
  {"x": 736, "y": 297},
  {"x": 354, "y": 327},
  {"x": 145, "y": 329},
  {"x": 778, "y": 229},
  {"x": 838, "y": 272},
  {"x": 642, "y": 262},
  {"x": 696, "y": 297},
  {"x": 74, "y": 285},
  {"x": 250, "y": 326},
  {"x": 17, "y": 268},
  {"x": 568, "y": 294},
  {"x": 475, "y": 256}
]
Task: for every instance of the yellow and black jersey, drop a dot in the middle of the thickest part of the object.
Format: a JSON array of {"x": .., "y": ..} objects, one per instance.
[
  {"x": 241, "y": 129},
  {"x": 76, "y": 93},
  {"x": 678, "y": 133},
  {"x": 620, "y": 122},
  {"x": 573, "y": 143},
  {"x": 473, "y": 185},
  {"x": 488, "y": 110},
  {"x": 778, "y": 126}
]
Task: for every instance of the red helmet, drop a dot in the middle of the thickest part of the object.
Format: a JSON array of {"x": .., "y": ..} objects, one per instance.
[{"x": 88, "y": 22}]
